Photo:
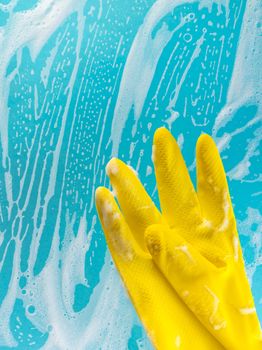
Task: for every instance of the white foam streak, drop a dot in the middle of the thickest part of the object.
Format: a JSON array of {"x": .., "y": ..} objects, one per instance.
[
  {"x": 141, "y": 65},
  {"x": 22, "y": 28},
  {"x": 244, "y": 88}
]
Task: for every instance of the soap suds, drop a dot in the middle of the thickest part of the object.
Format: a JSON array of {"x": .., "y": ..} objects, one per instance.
[
  {"x": 247, "y": 310},
  {"x": 112, "y": 168},
  {"x": 185, "y": 250},
  {"x": 178, "y": 341}
]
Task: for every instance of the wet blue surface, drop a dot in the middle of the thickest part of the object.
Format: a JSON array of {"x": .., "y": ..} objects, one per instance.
[{"x": 81, "y": 83}]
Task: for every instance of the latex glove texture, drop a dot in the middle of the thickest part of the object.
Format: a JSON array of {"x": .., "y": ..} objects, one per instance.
[
  {"x": 184, "y": 264},
  {"x": 199, "y": 250}
]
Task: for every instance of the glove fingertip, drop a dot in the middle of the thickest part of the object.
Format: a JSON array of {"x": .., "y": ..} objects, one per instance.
[
  {"x": 205, "y": 146},
  {"x": 112, "y": 167},
  {"x": 162, "y": 138},
  {"x": 154, "y": 238},
  {"x": 100, "y": 194},
  {"x": 107, "y": 208},
  {"x": 161, "y": 133}
]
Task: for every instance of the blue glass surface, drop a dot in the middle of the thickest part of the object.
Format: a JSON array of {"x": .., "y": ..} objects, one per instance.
[{"x": 80, "y": 82}]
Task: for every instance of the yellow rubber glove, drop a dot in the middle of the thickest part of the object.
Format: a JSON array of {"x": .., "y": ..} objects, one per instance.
[
  {"x": 198, "y": 249},
  {"x": 168, "y": 321}
]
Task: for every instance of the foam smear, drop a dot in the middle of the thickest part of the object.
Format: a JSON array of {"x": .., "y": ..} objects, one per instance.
[
  {"x": 52, "y": 290},
  {"x": 22, "y": 28},
  {"x": 140, "y": 66},
  {"x": 245, "y": 90}
]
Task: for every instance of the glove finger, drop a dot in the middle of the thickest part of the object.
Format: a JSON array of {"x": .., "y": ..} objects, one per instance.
[
  {"x": 179, "y": 261},
  {"x": 160, "y": 309},
  {"x": 136, "y": 205},
  {"x": 203, "y": 288},
  {"x": 179, "y": 203},
  {"x": 120, "y": 240},
  {"x": 212, "y": 188},
  {"x": 184, "y": 267}
]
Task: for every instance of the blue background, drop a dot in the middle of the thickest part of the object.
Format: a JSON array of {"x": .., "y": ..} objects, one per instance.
[{"x": 82, "y": 82}]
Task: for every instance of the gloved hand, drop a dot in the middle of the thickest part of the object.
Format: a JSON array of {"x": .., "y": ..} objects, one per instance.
[
  {"x": 168, "y": 321},
  {"x": 198, "y": 248},
  {"x": 185, "y": 214}
]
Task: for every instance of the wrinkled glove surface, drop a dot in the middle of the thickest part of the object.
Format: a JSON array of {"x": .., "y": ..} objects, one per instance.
[{"x": 183, "y": 268}]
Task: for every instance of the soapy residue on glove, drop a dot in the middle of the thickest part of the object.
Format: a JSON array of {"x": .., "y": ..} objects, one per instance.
[{"x": 82, "y": 82}]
